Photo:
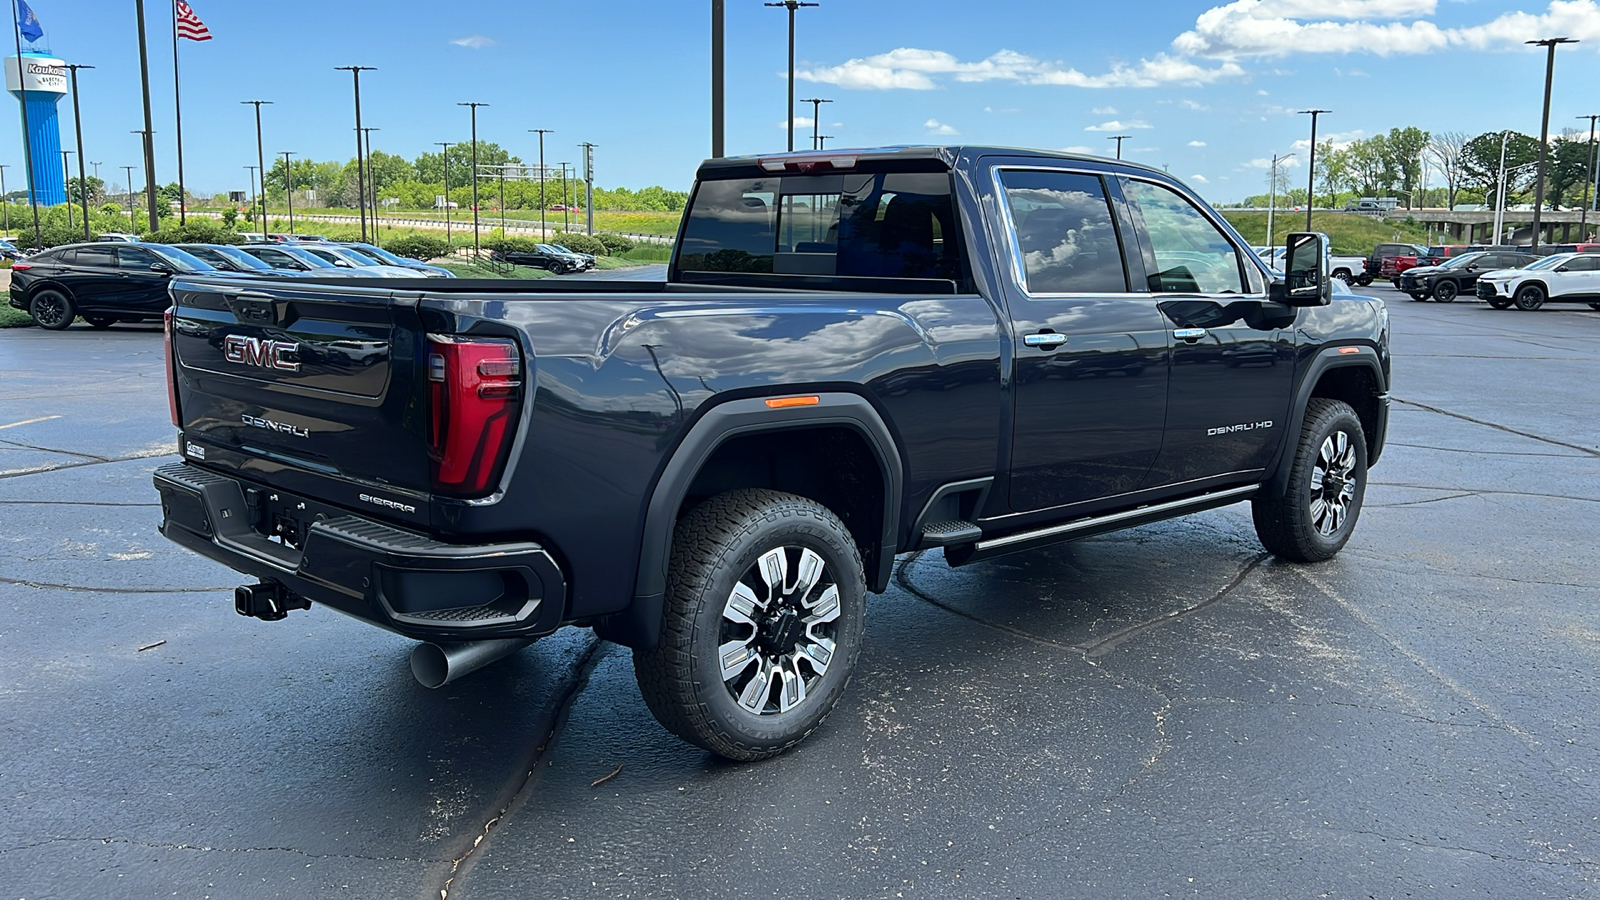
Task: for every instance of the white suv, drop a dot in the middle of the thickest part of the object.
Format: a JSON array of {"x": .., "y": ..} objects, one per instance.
[{"x": 1564, "y": 277}]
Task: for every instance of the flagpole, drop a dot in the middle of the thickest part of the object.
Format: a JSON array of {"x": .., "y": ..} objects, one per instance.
[
  {"x": 149, "y": 129},
  {"x": 27, "y": 135},
  {"x": 177, "y": 109}
]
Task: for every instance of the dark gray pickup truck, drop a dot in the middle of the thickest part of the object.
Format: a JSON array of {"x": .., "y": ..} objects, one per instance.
[{"x": 855, "y": 354}]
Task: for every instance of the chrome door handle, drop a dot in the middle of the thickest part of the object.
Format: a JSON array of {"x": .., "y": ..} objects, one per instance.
[
  {"x": 1045, "y": 340},
  {"x": 1189, "y": 334}
]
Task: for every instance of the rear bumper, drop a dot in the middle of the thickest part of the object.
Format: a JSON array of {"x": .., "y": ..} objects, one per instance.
[{"x": 399, "y": 580}]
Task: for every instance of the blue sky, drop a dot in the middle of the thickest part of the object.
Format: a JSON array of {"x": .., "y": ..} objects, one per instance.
[{"x": 1208, "y": 90}]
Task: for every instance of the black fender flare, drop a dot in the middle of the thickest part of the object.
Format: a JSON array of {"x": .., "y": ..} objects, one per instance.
[
  {"x": 639, "y": 625},
  {"x": 1345, "y": 356}
]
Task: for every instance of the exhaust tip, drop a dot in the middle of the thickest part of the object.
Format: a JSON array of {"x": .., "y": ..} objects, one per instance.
[
  {"x": 430, "y": 665},
  {"x": 436, "y": 665}
]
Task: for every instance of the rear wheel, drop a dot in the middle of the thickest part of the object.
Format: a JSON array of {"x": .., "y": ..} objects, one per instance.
[
  {"x": 1530, "y": 297},
  {"x": 51, "y": 309},
  {"x": 765, "y": 609},
  {"x": 1445, "y": 291},
  {"x": 1316, "y": 514},
  {"x": 1363, "y": 279}
]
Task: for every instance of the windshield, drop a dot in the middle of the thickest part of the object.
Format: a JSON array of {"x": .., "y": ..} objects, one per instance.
[
  {"x": 381, "y": 255},
  {"x": 1550, "y": 262},
  {"x": 350, "y": 256},
  {"x": 547, "y": 248},
  {"x": 242, "y": 258},
  {"x": 183, "y": 260},
  {"x": 1456, "y": 262},
  {"x": 310, "y": 259}
]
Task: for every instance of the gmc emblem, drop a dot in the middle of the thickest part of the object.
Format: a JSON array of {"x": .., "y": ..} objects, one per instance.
[{"x": 268, "y": 354}]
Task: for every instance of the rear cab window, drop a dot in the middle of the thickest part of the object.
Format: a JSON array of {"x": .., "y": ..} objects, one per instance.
[{"x": 1065, "y": 235}]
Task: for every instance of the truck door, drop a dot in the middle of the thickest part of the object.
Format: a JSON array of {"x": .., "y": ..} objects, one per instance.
[
  {"x": 1233, "y": 349},
  {"x": 1090, "y": 385}
]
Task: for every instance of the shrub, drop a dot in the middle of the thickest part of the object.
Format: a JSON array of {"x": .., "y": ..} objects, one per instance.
[
  {"x": 417, "y": 246},
  {"x": 615, "y": 244},
  {"x": 580, "y": 243},
  {"x": 196, "y": 231}
]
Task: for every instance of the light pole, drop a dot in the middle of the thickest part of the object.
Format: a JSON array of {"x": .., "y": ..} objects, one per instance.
[
  {"x": 361, "y": 178},
  {"x": 474, "y": 107},
  {"x": 149, "y": 129},
  {"x": 544, "y": 234},
  {"x": 77, "y": 129},
  {"x": 1272, "y": 193},
  {"x": 5, "y": 202},
  {"x": 716, "y": 87},
  {"x": 148, "y": 186},
  {"x": 1119, "y": 138},
  {"x": 252, "y": 170},
  {"x": 588, "y": 186},
  {"x": 791, "y": 6},
  {"x": 1311, "y": 165},
  {"x": 129, "y": 171},
  {"x": 1544, "y": 129},
  {"x": 288, "y": 187},
  {"x": 444, "y": 156},
  {"x": 261, "y": 161},
  {"x": 816, "y": 114},
  {"x": 1583, "y": 216},
  {"x": 566, "y": 208},
  {"x": 66, "y": 178}
]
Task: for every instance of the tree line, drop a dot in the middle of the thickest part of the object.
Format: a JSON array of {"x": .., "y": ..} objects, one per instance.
[{"x": 1386, "y": 165}]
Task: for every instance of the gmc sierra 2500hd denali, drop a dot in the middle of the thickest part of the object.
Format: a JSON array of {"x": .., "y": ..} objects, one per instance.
[{"x": 855, "y": 354}]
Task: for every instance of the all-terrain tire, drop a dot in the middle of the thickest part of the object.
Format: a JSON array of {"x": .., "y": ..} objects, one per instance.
[
  {"x": 1316, "y": 514},
  {"x": 720, "y": 548}
]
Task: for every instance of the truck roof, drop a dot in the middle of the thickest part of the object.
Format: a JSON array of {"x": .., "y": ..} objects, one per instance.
[{"x": 946, "y": 154}]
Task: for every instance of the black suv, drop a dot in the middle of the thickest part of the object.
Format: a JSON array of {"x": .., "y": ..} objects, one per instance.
[
  {"x": 104, "y": 283},
  {"x": 545, "y": 257},
  {"x": 1458, "y": 274}
]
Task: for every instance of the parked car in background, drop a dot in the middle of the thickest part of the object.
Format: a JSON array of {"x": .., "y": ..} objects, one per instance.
[
  {"x": 9, "y": 250},
  {"x": 1459, "y": 274},
  {"x": 1348, "y": 269},
  {"x": 1439, "y": 254},
  {"x": 306, "y": 238},
  {"x": 393, "y": 259},
  {"x": 544, "y": 256},
  {"x": 294, "y": 258},
  {"x": 118, "y": 236},
  {"x": 1381, "y": 252},
  {"x": 345, "y": 258},
  {"x": 231, "y": 259},
  {"x": 102, "y": 282},
  {"x": 587, "y": 259},
  {"x": 1562, "y": 278}
]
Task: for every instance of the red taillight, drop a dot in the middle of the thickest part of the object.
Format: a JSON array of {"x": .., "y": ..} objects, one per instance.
[
  {"x": 172, "y": 366},
  {"x": 20, "y": 267},
  {"x": 474, "y": 394}
]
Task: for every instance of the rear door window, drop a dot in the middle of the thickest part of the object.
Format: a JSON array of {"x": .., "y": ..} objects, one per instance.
[
  {"x": 1065, "y": 236},
  {"x": 96, "y": 257},
  {"x": 136, "y": 258}
]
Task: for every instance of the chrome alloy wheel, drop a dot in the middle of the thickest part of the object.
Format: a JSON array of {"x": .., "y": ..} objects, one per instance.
[
  {"x": 1333, "y": 483},
  {"x": 778, "y": 630}
]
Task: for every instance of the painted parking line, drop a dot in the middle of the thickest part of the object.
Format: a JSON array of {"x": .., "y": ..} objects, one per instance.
[{"x": 29, "y": 421}]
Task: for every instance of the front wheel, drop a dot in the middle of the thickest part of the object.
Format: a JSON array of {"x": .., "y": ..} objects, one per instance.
[
  {"x": 1445, "y": 291},
  {"x": 1316, "y": 514},
  {"x": 1530, "y": 298},
  {"x": 1363, "y": 280},
  {"x": 765, "y": 609},
  {"x": 51, "y": 309}
]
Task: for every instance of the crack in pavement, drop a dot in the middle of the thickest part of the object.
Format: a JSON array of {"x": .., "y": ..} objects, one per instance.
[
  {"x": 1534, "y": 437},
  {"x": 53, "y": 450},
  {"x": 97, "y": 461},
  {"x": 1418, "y": 502},
  {"x": 461, "y": 865},
  {"x": 1111, "y": 641},
  {"x": 1446, "y": 490},
  {"x": 1377, "y": 561},
  {"x": 1498, "y": 857},
  {"x": 50, "y": 586},
  {"x": 202, "y": 848},
  {"x": 1481, "y": 452}
]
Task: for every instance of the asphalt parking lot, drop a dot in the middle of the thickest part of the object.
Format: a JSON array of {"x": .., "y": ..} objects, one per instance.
[{"x": 1164, "y": 712}]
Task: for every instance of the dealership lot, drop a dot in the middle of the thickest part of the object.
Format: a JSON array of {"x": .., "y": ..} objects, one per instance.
[{"x": 1164, "y": 711}]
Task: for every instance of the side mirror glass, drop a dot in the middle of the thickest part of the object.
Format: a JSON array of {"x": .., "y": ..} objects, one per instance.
[
  {"x": 1562, "y": 268},
  {"x": 1305, "y": 264},
  {"x": 161, "y": 268},
  {"x": 342, "y": 264}
]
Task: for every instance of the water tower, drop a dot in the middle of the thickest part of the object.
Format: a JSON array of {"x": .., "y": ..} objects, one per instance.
[{"x": 39, "y": 80}]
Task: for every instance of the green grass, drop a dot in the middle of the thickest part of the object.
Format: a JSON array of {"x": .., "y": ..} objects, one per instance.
[
  {"x": 662, "y": 223},
  {"x": 1351, "y": 233},
  {"x": 469, "y": 268},
  {"x": 14, "y": 318}
]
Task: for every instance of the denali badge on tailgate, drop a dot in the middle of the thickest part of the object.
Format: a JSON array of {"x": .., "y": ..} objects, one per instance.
[{"x": 263, "y": 352}]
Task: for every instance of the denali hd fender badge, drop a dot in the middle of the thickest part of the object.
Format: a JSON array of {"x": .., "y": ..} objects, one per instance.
[
  {"x": 391, "y": 504},
  {"x": 268, "y": 424},
  {"x": 1246, "y": 426},
  {"x": 263, "y": 352}
]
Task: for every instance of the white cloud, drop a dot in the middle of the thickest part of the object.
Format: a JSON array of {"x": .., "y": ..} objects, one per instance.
[
  {"x": 1201, "y": 179},
  {"x": 1115, "y": 125},
  {"x": 474, "y": 42},
  {"x": 911, "y": 68},
  {"x": 1086, "y": 151},
  {"x": 799, "y": 123},
  {"x": 935, "y": 126},
  {"x": 1103, "y": 111},
  {"x": 1203, "y": 143},
  {"x": 1340, "y": 140},
  {"x": 1194, "y": 105}
]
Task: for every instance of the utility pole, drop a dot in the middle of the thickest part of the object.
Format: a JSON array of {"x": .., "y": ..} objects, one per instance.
[
  {"x": 1272, "y": 193},
  {"x": 474, "y": 107},
  {"x": 544, "y": 234},
  {"x": 77, "y": 130},
  {"x": 66, "y": 178},
  {"x": 288, "y": 187},
  {"x": 361, "y": 177},
  {"x": 816, "y": 114},
  {"x": 129, "y": 171},
  {"x": 149, "y": 200},
  {"x": 5, "y": 202},
  {"x": 1544, "y": 129},
  {"x": 566, "y": 208},
  {"x": 149, "y": 129},
  {"x": 716, "y": 89},
  {"x": 444, "y": 156},
  {"x": 1583, "y": 216},
  {"x": 252, "y": 171},
  {"x": 1311, "y": 166},
  {"x": 588, "y": 189},
  {"x": 261, "y": 160},
  {"x": 791, "y": 6},
  {"x": 1119, "y": 138}
]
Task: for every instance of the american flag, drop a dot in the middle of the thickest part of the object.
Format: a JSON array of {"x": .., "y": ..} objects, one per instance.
[{"x": 189, "y": 24}]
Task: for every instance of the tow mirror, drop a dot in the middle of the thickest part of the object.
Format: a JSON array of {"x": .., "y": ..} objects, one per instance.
[{"x": 1305, "y": 264}]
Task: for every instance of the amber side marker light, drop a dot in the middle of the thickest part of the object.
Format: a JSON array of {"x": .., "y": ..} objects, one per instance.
[
  {"x": 783, "y": 402},
  {"x": 1349, "y": 349}
]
